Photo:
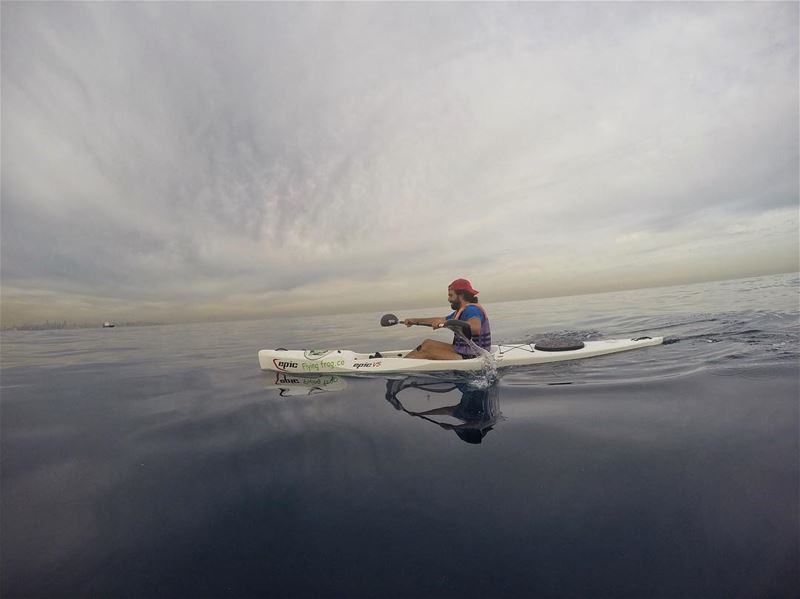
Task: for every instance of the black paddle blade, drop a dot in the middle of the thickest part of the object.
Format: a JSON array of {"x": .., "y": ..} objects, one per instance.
[
  {"x": 459, "y": 327},
  {"x": 388, "y": 320}
]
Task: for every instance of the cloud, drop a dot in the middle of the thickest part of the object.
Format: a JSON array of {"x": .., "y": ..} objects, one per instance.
[{"x": 221, "y": 154}]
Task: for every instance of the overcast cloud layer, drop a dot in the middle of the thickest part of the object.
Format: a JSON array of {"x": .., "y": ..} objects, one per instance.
[{"x": 200, "y": 160}]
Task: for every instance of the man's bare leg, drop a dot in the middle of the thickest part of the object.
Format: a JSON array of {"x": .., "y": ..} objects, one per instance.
[{"x": 434, "y": 350}]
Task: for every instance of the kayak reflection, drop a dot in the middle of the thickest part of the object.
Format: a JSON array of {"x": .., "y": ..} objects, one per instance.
[
  {"x": 472, "y": 411},
  {"x": 296, "y": 384},
  {"x": 475, "y": 414}
]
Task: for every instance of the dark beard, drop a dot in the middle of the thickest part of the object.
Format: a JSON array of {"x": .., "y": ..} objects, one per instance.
[{"x": 455, "y": 305}]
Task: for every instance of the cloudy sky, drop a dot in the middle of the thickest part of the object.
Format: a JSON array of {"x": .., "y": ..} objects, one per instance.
[{"x": 181, "y": 161}]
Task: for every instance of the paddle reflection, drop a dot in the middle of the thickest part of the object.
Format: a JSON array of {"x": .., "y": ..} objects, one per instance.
[{"x": 471, "y": 418}]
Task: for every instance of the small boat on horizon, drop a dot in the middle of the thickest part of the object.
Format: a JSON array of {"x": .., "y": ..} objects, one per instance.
[{"x": 108, "y": 325}]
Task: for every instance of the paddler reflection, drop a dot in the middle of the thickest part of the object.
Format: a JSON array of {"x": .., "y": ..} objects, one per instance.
[
  {"x": 299, "y": 384},
  {"x": 471, "y": 418}
]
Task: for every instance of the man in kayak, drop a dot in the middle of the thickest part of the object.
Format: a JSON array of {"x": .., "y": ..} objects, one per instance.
[{"x": 464, "y": 302}]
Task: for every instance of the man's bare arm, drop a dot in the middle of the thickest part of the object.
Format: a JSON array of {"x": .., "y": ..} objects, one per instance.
[
  {"x": 475, "y": 326},
  {"x": 434, "y": 321}
]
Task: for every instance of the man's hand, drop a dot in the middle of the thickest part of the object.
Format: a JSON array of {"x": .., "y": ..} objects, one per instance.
[{"x": 437, "y": 323}]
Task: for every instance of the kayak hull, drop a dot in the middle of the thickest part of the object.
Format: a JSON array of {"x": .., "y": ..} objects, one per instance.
[{"x": 341, "y": 361}]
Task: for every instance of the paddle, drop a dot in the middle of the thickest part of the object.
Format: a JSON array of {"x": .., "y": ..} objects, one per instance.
[{"x": 459, "y": 327}]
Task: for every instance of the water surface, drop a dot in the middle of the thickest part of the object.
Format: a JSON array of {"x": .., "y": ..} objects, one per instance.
[{"x": 160, "y": 461}]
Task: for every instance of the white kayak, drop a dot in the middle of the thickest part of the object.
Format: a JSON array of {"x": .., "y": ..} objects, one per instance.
[{"x": 342, "y": 361}]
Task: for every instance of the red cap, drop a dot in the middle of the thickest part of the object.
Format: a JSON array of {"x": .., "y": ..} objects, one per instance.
[{"x": 462, "y": 285}]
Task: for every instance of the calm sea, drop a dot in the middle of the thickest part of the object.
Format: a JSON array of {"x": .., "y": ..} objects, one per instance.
[{"x": 161, "y": 462}]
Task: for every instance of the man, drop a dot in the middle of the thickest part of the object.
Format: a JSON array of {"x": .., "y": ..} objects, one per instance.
[{"x": 464, "y": 302}]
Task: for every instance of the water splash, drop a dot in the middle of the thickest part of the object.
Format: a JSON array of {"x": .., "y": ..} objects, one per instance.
[{"x": 489, "y": 371}]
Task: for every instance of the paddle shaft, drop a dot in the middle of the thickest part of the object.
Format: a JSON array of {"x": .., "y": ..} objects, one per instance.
[
  {"x": 458, "y": 327},
  {"x": 418, "y": 324}
]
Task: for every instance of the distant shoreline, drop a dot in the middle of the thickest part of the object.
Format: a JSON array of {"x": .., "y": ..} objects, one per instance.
[
  {"x": 372, "y": 308},
  {"x": 64, "y": 325}
]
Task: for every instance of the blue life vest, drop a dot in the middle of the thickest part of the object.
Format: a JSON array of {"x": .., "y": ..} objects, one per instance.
[{"x": 483, "y": 339}]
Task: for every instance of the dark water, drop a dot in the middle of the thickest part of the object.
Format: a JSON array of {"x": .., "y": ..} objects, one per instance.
[{"x": 159, "y": 461}]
